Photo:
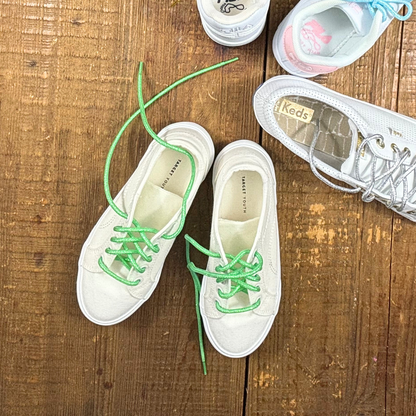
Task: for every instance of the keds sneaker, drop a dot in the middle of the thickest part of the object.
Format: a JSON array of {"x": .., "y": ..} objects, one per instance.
[
  {"x": 320, "y": 36},
  {"x": 369, "y": 148},
  {"x": 241, "y": 286},
  {"x": 233, "y": 22}
]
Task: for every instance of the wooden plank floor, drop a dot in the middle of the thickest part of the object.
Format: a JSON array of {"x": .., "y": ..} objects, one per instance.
[{"x": 344, "y": 342}]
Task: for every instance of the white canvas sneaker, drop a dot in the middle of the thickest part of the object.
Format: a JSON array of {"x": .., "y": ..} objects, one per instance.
[
  {"x": 122, "y": 259},
  {"x": 369, "y": 148},
  {"x": 233, "y": 22},
  {"x": 320, "y": 36},
  {"x": 241, "y": 286}
]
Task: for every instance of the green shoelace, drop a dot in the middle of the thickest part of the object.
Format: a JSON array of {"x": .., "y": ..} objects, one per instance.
[
  {"x": 133, "y": 236},
  {"x": 241, "y": 281}
]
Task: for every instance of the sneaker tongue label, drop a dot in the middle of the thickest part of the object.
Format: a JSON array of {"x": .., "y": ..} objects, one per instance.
[{"x": 294, "y": 110}]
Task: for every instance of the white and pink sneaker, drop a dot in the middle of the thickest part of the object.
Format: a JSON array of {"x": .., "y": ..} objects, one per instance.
[{"x": 318, "y": 37}]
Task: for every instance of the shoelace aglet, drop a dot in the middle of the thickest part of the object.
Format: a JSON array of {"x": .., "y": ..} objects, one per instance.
[{"x": 204, "y": 367}]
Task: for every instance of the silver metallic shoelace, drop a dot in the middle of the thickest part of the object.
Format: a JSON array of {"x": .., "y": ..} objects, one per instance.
[{"x": 377, "y": 181}]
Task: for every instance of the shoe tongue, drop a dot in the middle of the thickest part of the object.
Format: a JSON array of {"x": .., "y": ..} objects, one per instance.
[
  {"x": 238, "y": 235},
  {"x": 156, "y": 207},
  {"x": 359, "y": 16}
]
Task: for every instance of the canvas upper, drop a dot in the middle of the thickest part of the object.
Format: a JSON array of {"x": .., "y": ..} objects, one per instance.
[
  {"x": 244, "y": 218},
  {"x": 152, "y": 196},
  {"x": 320, "y": 36},
  {"x": 370, "y": 148},
  {"x": 233, "y": 22}
]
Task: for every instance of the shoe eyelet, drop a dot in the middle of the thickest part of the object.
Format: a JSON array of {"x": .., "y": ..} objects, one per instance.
[
  {"x": 407, "y": 150},
  {"x": 394, "y": 147},
  {"x": 380, "y": 143}
]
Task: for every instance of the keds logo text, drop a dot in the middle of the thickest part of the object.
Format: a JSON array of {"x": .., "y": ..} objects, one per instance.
[{"x": 296, "y": 111}]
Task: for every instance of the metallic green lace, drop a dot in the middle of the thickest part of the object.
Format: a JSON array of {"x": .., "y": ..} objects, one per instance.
[
  {"x": 241, "y": 274},
  {"x": 131, "y": 237}
]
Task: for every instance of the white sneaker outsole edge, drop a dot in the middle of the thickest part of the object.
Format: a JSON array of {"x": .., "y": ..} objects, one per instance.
[
  {"x": 210, "y": 148},
  {"x": 232, "y": 42}
]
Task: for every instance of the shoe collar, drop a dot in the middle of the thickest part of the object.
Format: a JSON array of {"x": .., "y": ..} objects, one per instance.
[{"x": 370, "y": 26}]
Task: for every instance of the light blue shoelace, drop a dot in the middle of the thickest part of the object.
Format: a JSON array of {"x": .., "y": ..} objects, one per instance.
[{"x": 386, "y": 8}]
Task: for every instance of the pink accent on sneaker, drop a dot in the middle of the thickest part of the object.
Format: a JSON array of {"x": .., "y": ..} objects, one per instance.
[
  {"x": 313, "y": 33},
  {"x": 292, "y": 57}
]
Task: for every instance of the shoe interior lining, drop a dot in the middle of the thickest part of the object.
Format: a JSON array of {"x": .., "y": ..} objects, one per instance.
[
  {"x": 239, "y": 215},
  {"x": 240, "y": 207},
  {"x": 328, "y": 33},
  {"x": 171, "y": 172},
  {"x": 242, "y": 198},
  {"x": 163, "y": 193},
  {"x": 335, "y": 136}
]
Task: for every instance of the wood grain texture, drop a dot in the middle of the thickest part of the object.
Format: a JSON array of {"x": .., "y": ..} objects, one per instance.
[
  {"x": 344, "y": 340},
  {"x": 68, "y": 83},
  {"x": 327, "y": 355},
  {"x": 401, "y": 360}
]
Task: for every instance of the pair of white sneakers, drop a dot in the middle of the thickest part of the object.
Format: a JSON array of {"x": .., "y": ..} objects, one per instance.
[
  {"x": 122, "y": 260},
  {"x": 316, "y": 37}
]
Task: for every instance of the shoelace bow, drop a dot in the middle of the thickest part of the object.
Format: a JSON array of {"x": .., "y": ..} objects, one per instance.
[
  {"x": 242, "y": 281},
  {"x": 377, "y": 181},
  {"x": 131, "y": 251},
  {"x": 386, "y": 8}
]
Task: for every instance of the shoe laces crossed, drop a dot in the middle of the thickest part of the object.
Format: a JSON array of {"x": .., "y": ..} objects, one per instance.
[
  {"x": 386, "y": 8},
  {"x": 240, "y": 273},
  {"x": 380, "y": 176},
  {"x": 132, "y": 236}
]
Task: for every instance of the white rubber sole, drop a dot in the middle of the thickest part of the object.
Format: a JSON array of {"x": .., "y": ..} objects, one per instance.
[
  {"x": 229, "y": 148},
  {"x": 211, "y": 151},
  {"x": 232, "y": 42}
]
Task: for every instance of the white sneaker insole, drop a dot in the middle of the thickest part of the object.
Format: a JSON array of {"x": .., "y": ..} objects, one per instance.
[
  {"x": 327, "y": 33},
  {"x": 162, "y": 195},
  {"x": 239, "y": 214},
  {"x": 297, "y": 117},
  {"x": 231, "y": 7}
]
